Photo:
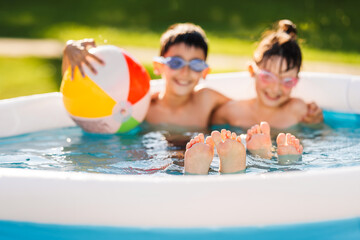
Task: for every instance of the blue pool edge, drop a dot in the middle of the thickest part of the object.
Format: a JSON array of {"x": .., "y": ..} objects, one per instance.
[{"x": 336, "y": 229}]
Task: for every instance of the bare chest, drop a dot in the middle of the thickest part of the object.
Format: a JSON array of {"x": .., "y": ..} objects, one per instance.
[
  {"x": 185, "y": 116},
  {"x": 278, "y": 119}
]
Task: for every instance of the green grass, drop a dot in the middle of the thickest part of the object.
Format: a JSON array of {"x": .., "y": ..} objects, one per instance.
[
  {"x": 329, "y": 30},
  {"x": 326, "y": 25},
  {"x": 219, "y": 45},
  {"x": 26, "y": 76}
]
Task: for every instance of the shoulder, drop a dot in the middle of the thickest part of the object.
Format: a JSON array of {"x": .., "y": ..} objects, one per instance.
[
  {"x": 208, "y": 92},
  {"x": 211, "y": 96},
  {"x": 298, "y": 106}
]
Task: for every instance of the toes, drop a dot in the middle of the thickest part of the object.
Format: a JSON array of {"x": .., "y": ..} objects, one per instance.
[
  {"x": 209, "y": 141},
  {"x": 253, "y": 129},
  {"x": 257, "y": 129},
  {"x": 228, "y": 134},
  {"x": 288, "y": 138},
  {"x": 238, "y": 138},
  {"x": 223, "y": 134},
  {"x": 190, "y": 143},
  {"x": 233, "y": 136},
  {"x": 201, "y": 137},
  {"x": 296, "y": 142},
  {"x": 248, "y": 135},
  {"x": 216, "y": 137},
  {"x": 281, "y": 139},
  {"x": 265, "y": 128},
  {"x": 292, "y": 139},
  {"x": 300, "y": 149},
  {"x": 298, "y": 146}
]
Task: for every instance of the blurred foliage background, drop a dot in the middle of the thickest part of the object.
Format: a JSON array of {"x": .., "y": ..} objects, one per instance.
[{"x": 329, "y": 30}]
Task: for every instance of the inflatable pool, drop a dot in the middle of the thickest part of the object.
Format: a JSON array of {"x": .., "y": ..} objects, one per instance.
[{"x": 315, "y": 204}]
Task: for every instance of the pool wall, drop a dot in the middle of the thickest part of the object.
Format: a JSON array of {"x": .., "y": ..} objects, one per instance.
[
  {"x": 178, "y": 201},
  {"x": 263, "y": 206}
]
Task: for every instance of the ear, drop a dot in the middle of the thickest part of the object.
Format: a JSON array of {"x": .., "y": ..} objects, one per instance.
[
  {"x": 205, "y": 72},
  {"x": 157, "y": 67},
  {"x": 251, "y": 70}
]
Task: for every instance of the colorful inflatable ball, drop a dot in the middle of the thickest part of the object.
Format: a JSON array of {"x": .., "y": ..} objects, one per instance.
[{"x": 115, "y": 100}]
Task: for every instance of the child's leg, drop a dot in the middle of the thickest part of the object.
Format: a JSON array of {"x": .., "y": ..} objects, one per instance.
[
  {"x": 231, "y": 151},
  {"x": 198, "y": 155},
  {"x": 258, "y": 140},
  {"x": 289, "y": 149}
]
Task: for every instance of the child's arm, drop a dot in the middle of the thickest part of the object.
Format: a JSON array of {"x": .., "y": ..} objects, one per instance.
[
  {"x": 214, "y": 98},
  {"x": 297, "y": 108},
  {"x": 212, "y": 101},
  {"x": 306, "y": 113},
  {"x": 220, "y": 115},
  {"x": 236, "y": 113},
  {"x": 75, "y": 54}
]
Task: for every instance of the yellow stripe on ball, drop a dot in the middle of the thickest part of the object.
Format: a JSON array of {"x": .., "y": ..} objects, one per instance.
[{"x": 84, "y": 98}]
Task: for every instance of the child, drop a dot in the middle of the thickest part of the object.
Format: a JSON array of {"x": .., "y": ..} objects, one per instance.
[
  {"x": 182, "y": 64},
  {"x": 277, "y": 62},
  {"x": 199, "y": 152}
]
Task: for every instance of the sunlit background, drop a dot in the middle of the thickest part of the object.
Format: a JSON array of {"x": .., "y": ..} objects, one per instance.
[{"x": 328, "y": 31}]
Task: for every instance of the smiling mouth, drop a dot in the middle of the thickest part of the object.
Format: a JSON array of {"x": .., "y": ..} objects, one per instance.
[
  {"x": 272, "y": 98},
  {"x": 184, "y": 84}
]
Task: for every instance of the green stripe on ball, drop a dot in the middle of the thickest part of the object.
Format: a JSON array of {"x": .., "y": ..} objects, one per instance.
[{"x": 128, "y": 125}]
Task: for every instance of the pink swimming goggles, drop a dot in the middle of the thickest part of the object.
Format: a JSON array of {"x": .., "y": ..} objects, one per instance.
[{"x": 268, "y": 77}]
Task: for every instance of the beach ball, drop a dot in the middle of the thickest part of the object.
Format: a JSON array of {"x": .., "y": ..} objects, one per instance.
[{"x": 115, "y": 100}]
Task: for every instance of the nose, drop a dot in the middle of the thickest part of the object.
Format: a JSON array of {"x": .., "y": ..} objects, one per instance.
[
  {"x": 186, "y": 70},
  {"x": 276, "y": 86}
]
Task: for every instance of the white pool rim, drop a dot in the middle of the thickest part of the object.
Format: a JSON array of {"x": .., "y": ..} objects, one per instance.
[{"x": 180, "y": 201}]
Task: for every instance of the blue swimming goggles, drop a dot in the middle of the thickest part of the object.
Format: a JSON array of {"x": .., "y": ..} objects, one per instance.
[{"x": 196, "y": 65}]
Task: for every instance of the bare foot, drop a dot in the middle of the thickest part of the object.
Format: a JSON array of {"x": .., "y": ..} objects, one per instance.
[
  {"x": 289, "y": 149},
  {"x": 231, "y": 151},
  {"x": 198, "y": 155},
  {"x": 258, "y": 140}
]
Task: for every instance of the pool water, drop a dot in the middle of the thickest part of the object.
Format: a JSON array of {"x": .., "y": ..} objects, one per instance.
[{"x": 161, "y": 152}]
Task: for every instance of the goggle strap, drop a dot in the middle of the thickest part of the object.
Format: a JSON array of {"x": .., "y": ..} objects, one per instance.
[{"x": 159, "y": 59}]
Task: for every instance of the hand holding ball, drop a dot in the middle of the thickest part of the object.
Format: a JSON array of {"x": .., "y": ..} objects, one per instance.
[{"x": 115, "y": 100}]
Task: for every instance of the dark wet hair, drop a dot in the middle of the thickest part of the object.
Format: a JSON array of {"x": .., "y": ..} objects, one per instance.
[
  {"x": 281, "y": 41},
  {"x": 188, "y": 33}
]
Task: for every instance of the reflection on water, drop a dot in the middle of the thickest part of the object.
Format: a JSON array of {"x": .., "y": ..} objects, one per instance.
[{"x": 153, "y": 150}]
